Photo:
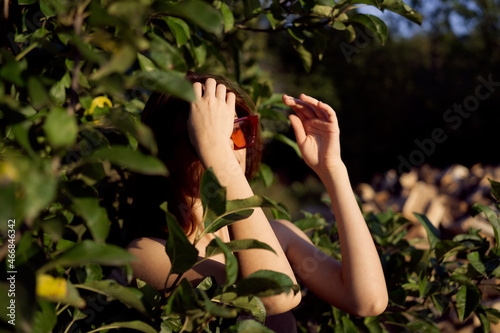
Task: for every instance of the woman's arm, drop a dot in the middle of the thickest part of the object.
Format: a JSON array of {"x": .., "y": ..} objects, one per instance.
[
  {"x": 210, "y": 124},
  {"x": 358, "y": 284}
]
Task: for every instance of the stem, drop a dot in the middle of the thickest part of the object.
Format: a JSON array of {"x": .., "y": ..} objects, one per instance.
[
  {"x": 62, "y": 309},
  {"x": 26, "y": 50}
]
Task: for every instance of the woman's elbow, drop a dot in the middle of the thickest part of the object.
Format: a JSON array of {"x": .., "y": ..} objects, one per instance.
[
  {"x": 281, "y": 303},
  {"x": 372, "y": 306}
]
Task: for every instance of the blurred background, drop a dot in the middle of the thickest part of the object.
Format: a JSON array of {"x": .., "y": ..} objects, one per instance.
[
  {"x": 429, "y": 96},
  {"x": 389, "y": 96}
]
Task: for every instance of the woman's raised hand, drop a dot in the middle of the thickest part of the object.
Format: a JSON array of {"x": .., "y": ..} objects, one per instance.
[
  {"x": 211, "y": 118},
  {"x": 317, "y": 132}
]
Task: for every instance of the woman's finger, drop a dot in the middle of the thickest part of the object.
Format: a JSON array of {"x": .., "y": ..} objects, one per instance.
[
  {"x": 198, "y": 89},
  {"x": 304, "y": 110},
  {"x": 332, "y": 115},
  {"x": 298, "y": 128},
  {"x": 320, "y": 113},
  {"x": 210, "y": 87},
  {"x": 231, "y": 100},
  {"x": 220, "y": 93}
]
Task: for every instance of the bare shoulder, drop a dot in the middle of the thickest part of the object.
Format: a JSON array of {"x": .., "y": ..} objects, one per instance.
[{"x": 152, "y": 264}]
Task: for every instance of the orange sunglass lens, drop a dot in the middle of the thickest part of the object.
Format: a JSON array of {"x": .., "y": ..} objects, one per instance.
[{"x": 238, "y": 137}]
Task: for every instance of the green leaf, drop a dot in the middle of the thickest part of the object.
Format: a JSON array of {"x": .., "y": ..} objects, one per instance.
[
  {"x": 21, "y": 133},
  {"x": 236, "y": 210},
  {"x": 468, "y": 299},
  {"x": 492, "y": 217},
  {"x": 165, "y": 55},
  {"x": 447, "y": 248},
  {"x": 311, "y": 223},
  {"x": 495, "y": 189},
  {"x": 145, "y": 63},
  {"x": 128, "y": 123},
  {"x": 58, "y": 90},
  {"x": 265, "y": 283},
  {"x": 38, "y": 182},
  {"x": 95, "y": 216},
  {"x": 167, "y": 82},
  {"x": 375, "y": 3},
  {"x": 131, "y": 159},
  {"x": 136, "y": 325},
  {"x": 179, "y": 28},
  {"x": 376, "y": 25},
  {"x": 251, "y": 7},
  {"x": 432, "y": 233},
  {"x": 199, "y": 12},
  {"x": 348, "y": 325},
  {"x": 45, "y": 317},
  {"x": 441, "y": 303},
  {"x": 213, "y": 198},
  {"x": 61, "y": 128},
  {"x": 121, "y": 61},
  {"x": 236, "y": 245},
  {"x": 227, "y": 16},
  {"x": 231, "y": 262},
  {"x": 112, "y": 289},
  {"x": 426, "y": 287},
  {"x": 217, "y": 310},
  {"x": 250, "y": 326},
  {"x": 87, "y": 252},
  {"x": 183, "y": 255},
  {"x": 401, "y": 8},
  {"x": 483, "y": 318},
  {"x": 266, "y": 174},
  {"x": 198, "y": 48},
  {"x": 252, "y": 305},
  {"x": 477, "y": 263},
  {"x": 37, "y": 92}
]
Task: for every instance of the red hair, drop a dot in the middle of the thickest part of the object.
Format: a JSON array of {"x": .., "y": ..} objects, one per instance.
[{"x": 167, "y": 117}]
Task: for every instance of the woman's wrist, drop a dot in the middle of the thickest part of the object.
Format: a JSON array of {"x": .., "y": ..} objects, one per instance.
[{"x": 332, "y": 171}]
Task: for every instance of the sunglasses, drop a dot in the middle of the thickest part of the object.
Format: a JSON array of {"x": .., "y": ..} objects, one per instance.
[{"x": 244, "y": 131}]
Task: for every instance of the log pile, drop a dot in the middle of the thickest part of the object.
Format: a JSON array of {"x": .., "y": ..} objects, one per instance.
[{"x": 445, "y": 196}]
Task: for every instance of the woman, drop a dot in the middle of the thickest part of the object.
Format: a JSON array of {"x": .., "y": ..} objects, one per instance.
[{"x": 200, "y": 136}]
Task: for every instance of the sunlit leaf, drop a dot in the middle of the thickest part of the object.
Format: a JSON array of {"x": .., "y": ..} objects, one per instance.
[
  {"x": 196, "y": 11},
  {"x": 265, "y": 283},
  {"x": 432, "y": 233},
  {"x": 87, "y": 252},
  {"x": 495, "y": 189},
  {"x": 468, "y": 299},
  {"x": 135, "y": 325},
  {"x": 179, "y": 29},
  {"x": 132, "y": 159},
  {"x": 167, "y": 82},
  {"x": 236, "y": 245},
  {"x": 227, "y": 16},
  {"x": 492, "y": 217},
  {"x": 376, "y": 25},
  {"x": 95, "y": 216}
]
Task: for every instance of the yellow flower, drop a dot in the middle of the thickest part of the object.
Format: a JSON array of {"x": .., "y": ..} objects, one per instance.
[
  {"x": 8, "y": 172},
  {"x": 100, "y": 102},
  {"x": 50, "y": 287},
  {"x": 58, "y": 290}
]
